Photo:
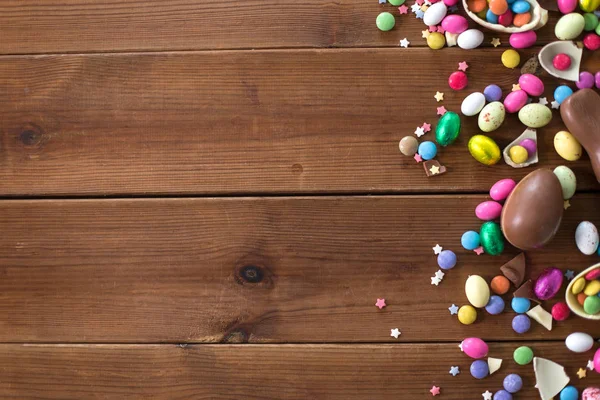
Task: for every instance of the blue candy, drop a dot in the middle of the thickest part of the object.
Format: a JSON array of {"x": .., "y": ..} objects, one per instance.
[
  {"x": 427, "y": 150},
  {"x": 520, "y": 305},
  {"x": 479, "y": 369},
  {"x": 491, "y": 17},
  {"x": 561, "y": 93},
  {"x": 512, "y": 383},
  {"x": 502, "y": 395},
  {"x": 569, "y": 393},
  {"x": 495, "y": 306},
  {"x": 470, "y": 240},
  {"x": 521, "y": 323},
  {"x": 520, "y": 6},
  {"x": 492, "y": 93},
  {"x": 446, "y": 259}
]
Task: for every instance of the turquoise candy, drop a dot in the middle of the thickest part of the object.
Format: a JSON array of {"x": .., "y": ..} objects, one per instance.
[
  {"x": 491, "y": 238},
  {"x": 447, "y": 129}
]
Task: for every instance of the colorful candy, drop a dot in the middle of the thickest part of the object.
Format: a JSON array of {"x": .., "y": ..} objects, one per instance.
[
  {"x": 472, "y": 104},
  {"x": 488, "y": 210},
  {"x": 479, "y": 369},
  {"x": 470, "y": 39},
  {"x": 448, "y": 129},
  {"x": 591, "y": 393},
  {"x": 520, "y": 305},
  {"x": 492, "y": 238},
  {"x": 523, "y": 355},
  {"x": 496, "y": 305},
  {"x": 567, "y": 146},
  {"x": 567, "y": 6},
  {"x": 591, "y": 41},
  {"x": 522, "y": 40},
  {"x": 475, "y": 347},
  {"x": 484, "y": 149},
  {"x": 516, "y": 100},
  {"x": 385, "y": 21},
  {"x": 531, "y": 84},
  {"x": 561, "y": 61},
  {"x": 498, "y": 7},
  {"x": 569, "y": 393},
  {"x": 477, "y": 291},
  {"x": 491, "y": 116},
  {"x": 548, "y": 283},
  {"x": 562, "y": 92},
  {"x": 535, "y": 115},
  {"x": 560, "y": 311},
  {"x": 591, "y": 305},
  {"x": 467, "y": 315},
  {"x": 458, "y": 80},
  {"x": 530, "y": 145},
  {"x": 436, "y": 40},
  {"x": 427, "y": 150},
  {"x": 586, "y": 80},
  {"x": 492, "y": 93},
  {"x": 435, "y": 14},
  {"x": 408, "y": 146},
  {"x": 470, "y": 240},
  {"x": 518, "y": 154},
  {"x": 567, "y": 179},
  {"x": 500, "y": 284},
  {"x": 502, "y": 189},
  {"x": 569, "y": 26},
  {"x": 521, "y": 19},
  {"x": 446, "y": 259},
  {"x": 510, "y": 58},
  {"x": 521, "y": 323},
  {"x": 586, "y": 238},
  {"x": 502, "y": 395},
  {"x": 455, "y": 24},
  {"x": 579, "y": 342},
  {"x": 512, "y": 383}
]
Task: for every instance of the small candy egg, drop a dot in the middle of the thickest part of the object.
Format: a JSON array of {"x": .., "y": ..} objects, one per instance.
[
  {"x": 470, "y": 39},
  {"x": 408, "y": 145},
  {"x": 560, "y": 311},
  {"x": 579, "y": 342},
  {"x": 567, "y": 179},
  {"x": 502, "y": 395},
  {"x": 597, "y": 361},
  {"x": 512, "y": 383},
  {"x": 591, "y": 393},
  {"x": 567, "y": 6},
  {"x": 591, "y": 22},
  {"x": 472, "y": 104},
  {"x": 458, "y": 80},
  {"x": 561, "y": 61},
  {"x": 477, "y": 5},
  {"x": 591, "y": 41},
  {"x": 521, "y": 19},
  {"x": 492, "y": 93},
  {"x": 518, "y": 154},
  {"x": 531, "y": 84},
  {"x": 589, "y": 5},
  {"x": 586, "y": 238},
  {"x": 491, "y": 17},
  {"x": 495, "y": 306},
  {"x": 581, "y": 298},
  {"x": 484, "y": 149},
  {"x": 520, "y": 305},
  {"x": 595, "y": 274},
  {"x": 500, "y": 284},
  {"x": 516, "y": 100},
  {"x": 385, "y": 21},
  {"x": 548, "y": 283},
  {"x": 569, "y": 393},
  {"x": 510, "y": 58},
  {"x": 492, "y": 238},
  {"x": 491, "y": 116},
  {"x": 569, "y": 26},
  {"x": 535, "y": 115},
  {"x": 475, "y": 347},
  {"x": 498, "y": 7},
  {"x": 435, "y": 14},
  {"x": 427, "y": 150},
  {"x": 451, "y": 3},
  {"x": 591, "y": 305},
  {"x": 467, "y": 315},
  {"x": 520, "y": 6},
  {"x": 562, "y": 92},
  {"x": 488, "y": 210},
  {"x": 567, "y": 146},
  {"x": 455, "y": 23},
  {"x": 530, "y": 145},
  {"x": 597, "y": 77},
  {"x": 506, "y": 19},
  {"x": 446, "y": 259},
  {"x": 448, "y": 129},
  {"x": 396, "y": 2},
  {"x": 436, "y": 40},
  {"x": 470, "y": 240},
  {"x": 479, "y": 369},
  {"x": 502, "y": 189},
  {"x": 578, "y": 285},
  {"x": 586, "y": 80},
  {"x": 521, "y": 323},
  {"x": 523, "y": 355},
  {"x": 522, "y": 40},
  {"x": 477, "y": 291},
  {"x": 592, "y": 288}
]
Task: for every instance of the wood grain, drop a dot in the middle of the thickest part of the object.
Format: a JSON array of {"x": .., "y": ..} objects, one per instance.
[
  {"x": 307, "y": 121},
  {"x": 51, "y": 26},
  {"x": 264, "y": 371},
  {"x": 254, "y": 270}
]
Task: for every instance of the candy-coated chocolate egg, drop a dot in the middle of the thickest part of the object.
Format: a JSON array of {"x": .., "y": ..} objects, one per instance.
[
  {"x": 531, "y": 84},
  {"x": 516, "y": 100},
  {"x": 506, "y": 19},
  {"x": 470, "y": 240},
  {"x": 567, "y": 180},
  {"x": 567, "y": 6},
  {"x": 535, "y": 115},
  {"x": 579, "y": 342},
  {"x": 597, "y": 361},
  {"x": 586, "y": 238},
  {"x": 581, "y": 298},
  {"x": 498, "y": 7},
  {"x": 530, "y": 145},
  {"x": 594, "y": 274},
  {"x": 548, "y": 283},
  {"x": 488, "y": 210},
  {"x": 451, "y": 3},
  {"x": 501, "y": 189},
  {"x": 492, "y": 239},
  {"x": 467, "y": 315},
  {"x": 522, "y": 40},
  {"x": 470, "y": 39},
  {"x": 560, "y": 311},
  {"x": 591, "y": 305},
  {"x": 435, "y": 14},
  {"x": 495, "y": 306},
  {"x": 472, "y": 104},
  {"x": 578, "y": 285},
  {"x": 591, "y": 41},
  {"x": 533, "y": 212},
  {"x": 591, "y": 393},
  {"x": 484, "y": 149},
  {"x": 491, "y": 17},
  {"x": 518, "y": 154},
  {"x": 436, "y": 40},
  {"x": 592, "y": 288},
  {"x": 477, "y": 5},
  {"x": 569, "y": 26},
  {"x": 567, "y": 146},
  {"x": 448, "y": 129},
  {"x": 475, "y": 347},
  {"x": 491, "y": 116},
  {"x": 561, "y": 61},
  {"x": 589, "y": 5},
  {"x": 455, "y": 24},
  {"x": 477, "y": 291},
  {"x": 409, "y": 145}
]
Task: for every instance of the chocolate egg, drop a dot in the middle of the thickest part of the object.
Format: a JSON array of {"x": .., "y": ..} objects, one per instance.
[
  {"x": 532, "y": 213},
  {"x": 548, "y": 283}
]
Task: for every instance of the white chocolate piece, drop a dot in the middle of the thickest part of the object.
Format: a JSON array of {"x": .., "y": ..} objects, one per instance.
[
  {"x": 550, "y": 377},
  {"x": 494, "y": 364},
  {"x": 542, "y": 316}
]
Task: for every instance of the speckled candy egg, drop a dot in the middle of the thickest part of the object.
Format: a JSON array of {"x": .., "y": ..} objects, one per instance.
[
  {"x": 484, "y": 149},
  {"x": 522, "y": 40},
  {"x": 548, "y": 283},
  {"x": 472, "y": 104},
  {"x": 579, "y": 342},
  {"x": 516, "y": 100},
  {"x": 435, "y": 14},
  {"x": 492, "y": 239},
  {"x": 502, "y": 189},
  {"x": 475, "y": 347},
  {"x": 491, "y": 116},
  {"x": 591, "y": 393},
  {"x": 567, "y": 179},
  {"x": 567, "y": 146},
  {"x": 586, "y": 238},
  {"x": 535, "y": 115},
  {"x": 455, "y": 23},
  {"x": 531, "y": 84},
  {"x": 470, "y": 39},
  {"x": 477, "y": 291},
  {"x": 569, "y": 26}
]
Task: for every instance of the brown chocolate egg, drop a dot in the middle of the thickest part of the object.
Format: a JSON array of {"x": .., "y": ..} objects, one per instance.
[{"x": 532, "y": 213}]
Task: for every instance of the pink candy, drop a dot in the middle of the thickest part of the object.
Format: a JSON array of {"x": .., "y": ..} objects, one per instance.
[
  {"x": 475, "y": 348},
  {"x": 561, "y": 61},
  {"x": 458, "y": 80},
  {"x": 530, "y": 145},
  {"x": 567, "y": 6},
  {"x": 595, "y": 274},
  {"x": 514, "y": 101},
  {"x": 488, "y": 210},
  {"x": 548, "y": 283},
  {"x": 597, "y": 361},
  {"x": 522, "y": 40},
  {"x": 506, "y": 19},
  {"x": 502, "y": 189},
  {"x": 591, "y": 393},
  {"x": 591, "y": 41},
  {"x": 531, "y": 84},
  {"x": 560, "y": 311},
  {"x": 455, "y": 23},
  {"x": 450, "y": 3}
]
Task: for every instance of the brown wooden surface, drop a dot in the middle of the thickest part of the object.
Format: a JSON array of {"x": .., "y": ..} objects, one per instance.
[
  {"x": 309, "y": 121},
  {"x": 173, "y": 270},
  {"x": 53, "y": 26},
  {"x": 264, "y": 372}
]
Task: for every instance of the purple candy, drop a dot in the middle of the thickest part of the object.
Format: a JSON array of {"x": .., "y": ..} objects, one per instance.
[
  {"x": 548, "y": 283},
  {"x": 586, "y": 80},
  {"x": 502, "y": 395},
  {"x": 495, "y": 306},
  {"x": 512, "y": 383},
  {"x": 479, "y": 369},
  {"x": 530, "y": 145},
  {"x": 492, "y": 93},
  {"x": 597, "y": 79},
  {"x": 446, "y": 259},
  {"x": 521, "y": 323}
]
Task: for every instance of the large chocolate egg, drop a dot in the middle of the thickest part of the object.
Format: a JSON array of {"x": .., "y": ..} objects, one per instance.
[{"x": 532, "y": 213}]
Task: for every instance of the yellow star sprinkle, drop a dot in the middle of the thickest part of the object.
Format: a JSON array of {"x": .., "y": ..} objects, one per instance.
[
  {"x": 425, "y": 34},
  {"x": 439, "y": 96},
  {"x": 581, "y": 373},
  {"x": 424, "y": 7},
  {"x": 434, "y": 169},
  {"x": 496, "y": 42},
  {"x": 516, "y": 87},
  {"x": 567, "y": 204}
]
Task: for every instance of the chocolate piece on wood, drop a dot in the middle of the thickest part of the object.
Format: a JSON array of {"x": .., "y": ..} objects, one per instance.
[
  {"x": 433, "y": 168},
  {"x": 514, "y": 270}
]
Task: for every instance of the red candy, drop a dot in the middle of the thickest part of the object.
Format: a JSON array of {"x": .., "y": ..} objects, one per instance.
[
  {"x": 561, "y": 61},
  {"x": 458, "y": 80},
  {"x": 595, "y": 274},
  {"x": 506, "y": 19},
  {"x": 560, "y": 311},
  {"x": 591, "y": 41}
]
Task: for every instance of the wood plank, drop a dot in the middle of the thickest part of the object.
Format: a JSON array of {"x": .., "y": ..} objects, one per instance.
[
  {"x": 254, "y": 270},
  {"x": 308, "y": 121},
  {"x": 264, "y": 371},
  {"x": 49, "y": 26}
]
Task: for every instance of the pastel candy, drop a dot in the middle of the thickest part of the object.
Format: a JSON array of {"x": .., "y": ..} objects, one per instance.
[
  {"x": 502, "y": 189},
  {"x": 475, "y": 347},
  {"x": 531, "y": 84},
  {"x": 455, "y": 23},
  {"x": 488, "y": 210}
]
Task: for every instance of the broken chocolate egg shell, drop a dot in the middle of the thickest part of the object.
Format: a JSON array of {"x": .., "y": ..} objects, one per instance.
[
  {"x": 539, "y": 18},
  {"x": 533, "y": 159},
  {"x": 572, "y": 299},
  {"x": 569, "y": 48}
]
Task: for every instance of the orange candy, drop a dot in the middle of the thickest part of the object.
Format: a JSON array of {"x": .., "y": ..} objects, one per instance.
[
  {"x": 500, "y": 284},
  {"x": 477, "y": 5},
  {"x": 581, "y": 298},
  {"x": 521, "y": 19},
  {"x": 498, "y": 7}
]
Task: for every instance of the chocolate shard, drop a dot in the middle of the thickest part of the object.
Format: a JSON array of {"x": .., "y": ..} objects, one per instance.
[
  {"x": 526, "y": 291},
  {"x": 532, "y": 66},
  {"x": 514, "y": 270},
  {"x": 433, "y": 168}
]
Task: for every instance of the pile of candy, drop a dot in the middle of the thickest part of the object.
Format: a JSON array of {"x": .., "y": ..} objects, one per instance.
[{"x": 587, "y": 290}]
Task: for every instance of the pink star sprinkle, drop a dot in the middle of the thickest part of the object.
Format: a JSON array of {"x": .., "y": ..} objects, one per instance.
[
  {"x": 462, "y": 66},
  {"x": 420, "y": 2},
  {"x": 418, "y": 158},
  {"x": 441, "y": 30},
  {"x": 403, "y": 9},
  {"x": 426, "y": 127},
  {"x": 432, "y": 28},
  {"x": 435, "y": 390},
  {"x": 479, "y": 251},
  {"x": 441, "y": 110},
  {"x": 380, "y": 303}
]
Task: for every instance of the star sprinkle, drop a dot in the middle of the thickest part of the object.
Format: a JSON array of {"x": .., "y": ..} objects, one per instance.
[
  {"x": 403, "y": 9},
  {"x": 555, "y": 105},
  {"x": 487, "y": 395},
  {"x": 516, "y": 87},
  {"x": 419, "y": 14},
  {"x": 434, "y": 170},
  {"x": 441, "y": 110},
  {"x": 404, "y": 43},
  {"x": 418, "y": 158},
  {"x": 543, "y": 101},
  {"x": 462, "y": 66},
  {"x": 495, "y": 42},
  {"x": 435, "y": 280},
  {"x": 424, "y": 7},
  {"x": 454, "y": 371},
  {"x": 569, "y": 274},
  {"x": 582, "y": 373},
  {"x": 426, "y": 127},
  {"x": 425, "y": 34},
  {"x": 382, "y": 1},
  {"x": 415, "y": 7},
  {"x": 460, "y": 346},
  {"x": 566, "y": 204},
  {"x": 419, "y": 131},
  {"x": 439, "y": 274},
  {"x": 590, "y": 365},
  {"x": 441, "y": 30},
  {"x": 420, "y": 2},
  {"x": 437, "y": 249},
  {"x": 453, "y": 309},
  {"x": 395, "y": 333},
  {"x": 479, "y": 251},
  {"x": 432, "y": 29},
  {"x": 380, "y": 303},
  {"x": 435, "y": 390},
  {"x": 438, "y": 96}
]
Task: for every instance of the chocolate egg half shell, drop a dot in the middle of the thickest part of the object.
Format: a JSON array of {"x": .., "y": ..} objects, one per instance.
[
  {"x": 533, "y": 212},
  {"x": 548, "y": 283}
]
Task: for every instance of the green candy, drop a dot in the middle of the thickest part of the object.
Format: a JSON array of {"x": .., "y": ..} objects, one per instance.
[
  {"x": 591, "y": 22},
  {"x": 523, "y": 355},
  {"x": 400, "y": 2},
  {"x": 447, "y": 129},
  {"x": 598, "y": 29},
  {"x": 385, "y": 21},
  {"x": 491, "y": 238},
  {"x": 591, "y": 305}
]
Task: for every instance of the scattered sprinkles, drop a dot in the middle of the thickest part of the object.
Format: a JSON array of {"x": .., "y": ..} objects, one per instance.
[
  {"x": 419, "y": 14},
  {"x": 435, "y": 280},
  {"x": 441, "y": 110},
  {"x": 439, "y": 274},
  {"x": 395, "y": 333},
  {"x": 439, "y": 96},
  {"x": 437, "y": 249},
  {"x": 440, "y": 29},
  {"x": 569, "y": 274},
  {"x": 543, "y": 101},
  {"x": 425, "y": 34},
  {"x": 555, "y": 105},
  {"x": 462, "y": 66},
  {"x": 495, "y": 42},
  {"x": 382, "y": 1},
  {"x": 453, "y": 309},
  {"x": 418, "y": 158},
  {"x": 426, "y": 127},
  {"x": 435, "y": 390},
  {"x": 415, "y": 7},
  {"x": 380, "y": 303},
  {"x": 404, "y": 43},
  {"x": 454, "y": 371},
  {"x": 434, "y": 170},
  {"x": 403, "y": 9},
  {"x": 419, "y": 131},
  {"x": 516, "y": 87},
  {"x": 582, "y": 373},
  {"x": 432, "y": 28},
  {"x": 487, "y": 395},
  {"x": 590, "y": 365},
  {"x": 566, "y": 204},
  {"x": 479, "y": 251}
]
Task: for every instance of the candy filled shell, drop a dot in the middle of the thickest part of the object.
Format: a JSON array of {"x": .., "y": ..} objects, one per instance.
[
  {"x": 569, "y": 48},
  {"x": 577, "y": 308},
  {"x": 539, "y": 18},
  {"x": 528, "y": 134},
  {"x": 567, "y": 180},
  {"x": 567, "y": 146},
  {"x": 475, "y": 347},
  {"x": 484, "y": 149}
]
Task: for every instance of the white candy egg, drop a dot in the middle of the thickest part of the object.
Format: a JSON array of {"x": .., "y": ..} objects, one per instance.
[{"x": 470, "y": 39}]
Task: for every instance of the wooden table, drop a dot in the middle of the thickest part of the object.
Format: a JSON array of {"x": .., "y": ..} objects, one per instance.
[{"x": 204, "y": 199}]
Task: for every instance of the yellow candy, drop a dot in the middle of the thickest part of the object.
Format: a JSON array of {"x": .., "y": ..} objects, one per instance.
[
  {"x": 578, "y": 285},
  {"x": 482, "y": 14},
  {"x": 592, "y": 288},
  {"x": 518, "y": 154},
  {"x": 467, "y": 315},
  {"x": 589, "y": 5},
  {"x": 510, "y": 58},
  {"x": 567, "y": 146},
  {"x": 436, "y": 40},
  {"x": 484, "y": 149}
]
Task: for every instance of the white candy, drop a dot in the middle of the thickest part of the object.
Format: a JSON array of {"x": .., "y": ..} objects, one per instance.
[
  {"x": 435, "y": 14},
  {"x": 472, "y": 104},
  {"x": 470, "y": 39},
  {"x": 579, "y": 342},
  {"x": 586, "y": 238}
]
